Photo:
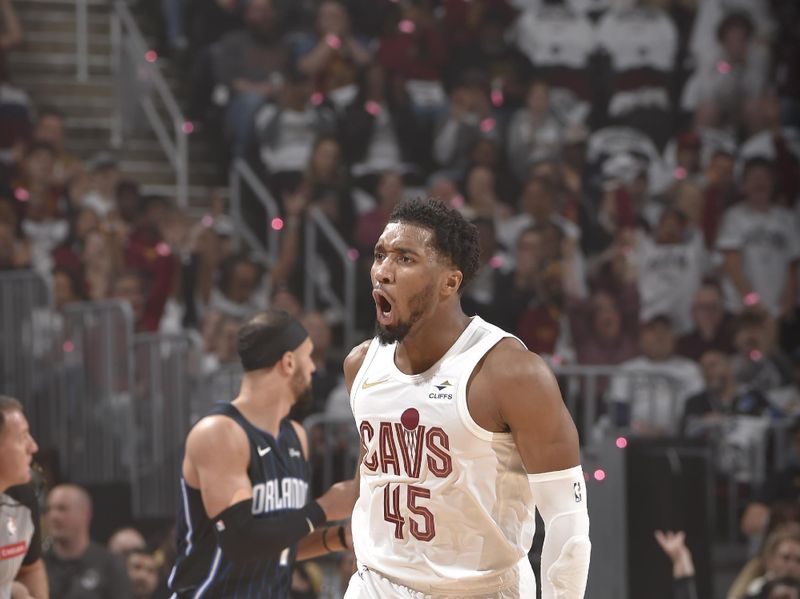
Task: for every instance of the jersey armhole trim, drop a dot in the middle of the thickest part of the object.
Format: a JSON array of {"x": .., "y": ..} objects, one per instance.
[
  {"x": 461, "y": 398},
  {"x": 372, "y": 351}
]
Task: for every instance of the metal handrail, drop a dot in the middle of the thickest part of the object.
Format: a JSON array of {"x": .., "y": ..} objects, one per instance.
[
  {"x": 81, "y": 41},
  {"x": 241, "y": 172},
  {"x": 126, "y": 36},
  {"x": 316, "y": 220}
]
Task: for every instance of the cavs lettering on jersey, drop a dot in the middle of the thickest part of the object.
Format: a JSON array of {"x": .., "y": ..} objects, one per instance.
[
  {"x": 279, "y": 474},
  {"x": 443, "y": 503}
]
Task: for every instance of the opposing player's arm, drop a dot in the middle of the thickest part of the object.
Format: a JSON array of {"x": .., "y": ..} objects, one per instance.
[
  {"x": 217, "y": 457},
  {"x": 529, "y": 403}
]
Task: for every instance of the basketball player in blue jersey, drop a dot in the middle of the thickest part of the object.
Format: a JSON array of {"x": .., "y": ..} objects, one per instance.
[
  {"x": 463, "y": 433},
  {"x": 245, "y": 515}
]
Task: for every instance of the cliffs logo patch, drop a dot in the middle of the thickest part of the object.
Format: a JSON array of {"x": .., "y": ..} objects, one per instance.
[{"x": 444, "y": 390}]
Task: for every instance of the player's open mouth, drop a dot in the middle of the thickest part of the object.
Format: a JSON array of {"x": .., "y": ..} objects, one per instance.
[{"x": 383, "y": 308}]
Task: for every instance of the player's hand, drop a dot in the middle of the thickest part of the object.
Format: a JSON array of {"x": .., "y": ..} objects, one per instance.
[{"x": 338, "y": 501}]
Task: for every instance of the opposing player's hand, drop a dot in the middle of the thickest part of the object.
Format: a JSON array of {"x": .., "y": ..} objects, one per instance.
[{"x": 338, "y": 501}]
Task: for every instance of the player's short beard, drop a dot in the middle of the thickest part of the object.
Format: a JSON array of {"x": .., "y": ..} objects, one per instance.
[
  {"x": 301, "y": 390},
  {"x": 399, "y": 331}
]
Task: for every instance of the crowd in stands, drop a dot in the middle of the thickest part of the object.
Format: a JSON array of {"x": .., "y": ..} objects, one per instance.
[{"x": 633, "y": 168}]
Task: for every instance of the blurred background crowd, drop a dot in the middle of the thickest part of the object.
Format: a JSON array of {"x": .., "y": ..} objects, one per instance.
[{"x": 633, "y": 168}]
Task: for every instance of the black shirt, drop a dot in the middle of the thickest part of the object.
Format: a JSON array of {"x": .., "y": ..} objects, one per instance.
[{"x": 97, "y": 574}]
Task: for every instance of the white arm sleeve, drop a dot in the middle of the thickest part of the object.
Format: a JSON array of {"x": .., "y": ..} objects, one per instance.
[{"x": 560, "y": 497}]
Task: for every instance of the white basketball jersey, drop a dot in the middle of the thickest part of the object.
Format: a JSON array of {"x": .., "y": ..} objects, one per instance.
[{"x": 443, "y": 503}]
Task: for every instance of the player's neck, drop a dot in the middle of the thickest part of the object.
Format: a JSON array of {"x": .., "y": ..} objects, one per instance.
[
  {"x": 428, "y": 341},
  {"x": 263, "y": 404}
]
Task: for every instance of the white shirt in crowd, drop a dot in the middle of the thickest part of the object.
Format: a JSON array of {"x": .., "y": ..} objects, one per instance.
[
  {"x": 768, "y": 243},
  {"x": 669, "y": 276},
  {"x": 656, "y": 391}
]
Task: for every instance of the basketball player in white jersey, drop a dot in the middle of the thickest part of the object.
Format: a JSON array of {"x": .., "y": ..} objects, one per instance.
[{"x": 463, "y": 434}]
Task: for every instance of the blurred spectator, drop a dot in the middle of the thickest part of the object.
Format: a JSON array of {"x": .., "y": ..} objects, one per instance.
[
  {"x": 104, "y": 175},
  {"x": 534, "y": 132},
  {"x": 758, "y": 362},
  {"x": 333, "y": 60},
  {"x": 781, "y": 488},
  {"x": 126, "y": 540},
  {"x": 14, "y": 251},
  {"x": 641, "y": 42},
  {"x": 306, "y": 581},
  {"x": 50, "y": 129},
  {"x": 761, "y": 247},
  {"x": 379, "y": 131},
  {"x": 605, "y": 327},
  {"x": 246, "y": 70},
  {"x": 780, "y": 557},
  {"x": 129, "y": 205},
  {"x": 148, "y": 252},
  {"x": 129, "y": 286},
  {"x": 467, "y": 119},
  {"x": 102, "y": 263},
  {"x": 671, "y": 266},
  {"x": 479, "y": 297},
  {"x": 721, "y": 396},
  {"x": 674, "y": 546},
  {"x": 719, "y": 193},
  {"x": 369, "y": 226},
  {"x": 713, "y": 327},
  {"x": 288, "y": 129},
  {"x": 142, "y": 570},
  {"x": 559, "y": 42},
  {"x": 651, "y": 390},
  {"x": 328, "y": 372},
  {"x": 77, "y": 567},
  {"x": 15, "y": 108},
  {"x": 786, "y": 587},
  {"x": 239, "y": 292},
  {"x": 724, "y": 86},
  {"x": 414, "y": 54}
]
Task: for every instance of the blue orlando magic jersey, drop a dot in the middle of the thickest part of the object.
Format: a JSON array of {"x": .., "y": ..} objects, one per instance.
[{"x": 279, "y": 474}]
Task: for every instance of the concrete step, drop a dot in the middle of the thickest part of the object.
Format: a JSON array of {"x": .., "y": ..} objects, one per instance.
[
  {"x": 63, "y": 85},
  {"x": 48, "y": 64},
  {"x": 62, "y": 43}
]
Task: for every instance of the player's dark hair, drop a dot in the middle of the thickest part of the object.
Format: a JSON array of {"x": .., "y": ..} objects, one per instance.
[
  {"x": 8, "y": 404},
  {"x": 263, "y": 340},
  {"x": 453, "y": 237}
]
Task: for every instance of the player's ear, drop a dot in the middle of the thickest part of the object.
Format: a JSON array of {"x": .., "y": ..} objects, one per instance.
[
  {"x": 452, "y": 282},
  {"x": 288, "y": 362}
]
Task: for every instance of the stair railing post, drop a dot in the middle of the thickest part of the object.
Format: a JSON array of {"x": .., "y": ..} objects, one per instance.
[{"x": 116, "y": 74}]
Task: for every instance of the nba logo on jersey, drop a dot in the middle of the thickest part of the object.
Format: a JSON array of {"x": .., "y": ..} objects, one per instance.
[{"x": 576, "y": 488}]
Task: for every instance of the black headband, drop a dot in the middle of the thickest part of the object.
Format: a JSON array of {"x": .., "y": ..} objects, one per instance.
[{"x": 269, "y": 348}]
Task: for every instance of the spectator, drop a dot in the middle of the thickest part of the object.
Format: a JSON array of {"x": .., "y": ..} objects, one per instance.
[
  {"x": 719, "y": 194},
  {"x": 14, "y": 251},
  {"x": 758, "y": 363},
  {"x": 239, "y": 292},
  {"x": 67, "y": 288},
  {"x": 723, "y": 87},
  {"x": 336, "y": 56},
  {"x": 15, "y": 109},
  {"x": 102, "y": 263},
  {"x": 328, "y": 372},
  {"x": 129, "y": 286},
  {"x": 787, "y": 587},
  {"x": 379, "y": 131},
  {"x": 50, "y": 129},
  {"x": 129, "y": 204},
  {"x": 78, "y": 567},
  {"x": 479, "y": 297},
  {"x": 781, "y": 488},
  {"x": 142, "y": 570},
  {"x": 534, "y": 131},
  {"x": 247, "y": 68},
  {"x": 459, "y": 129},
  {"x": 650, "y": 391},
  {"x": 672, "y": 263},
  {"x": 674, "y": 545},
  {"x": 780, "y": 557},
  {"x": 713, "y": 327},
  {"x": 104, "y": 175},
  {"x": 287, "y": 130},
  {"x": 126, "y": 540},
  {"x": 389, "y": 191},
  {"x": 335, "y": 584},
  {"x": 721, "y": 397},
  {"x": 761, "y": 247}
]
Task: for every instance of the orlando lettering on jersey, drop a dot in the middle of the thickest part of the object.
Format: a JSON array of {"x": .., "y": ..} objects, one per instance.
[{"x": 279, "y": 494}]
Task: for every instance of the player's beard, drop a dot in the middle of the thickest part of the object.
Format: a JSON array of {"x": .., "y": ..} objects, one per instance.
[
  {"x": 416, "y": 306},
  {"x": 303, "y": 397}
]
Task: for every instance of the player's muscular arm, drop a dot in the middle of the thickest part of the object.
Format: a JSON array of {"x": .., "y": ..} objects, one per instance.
[
  {"x": 217, "y": 457},
  {"x": 526, "y": 399}
]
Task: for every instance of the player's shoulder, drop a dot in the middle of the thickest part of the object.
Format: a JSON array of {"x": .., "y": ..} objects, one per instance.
[
  {"x": 509, "y": 363},
  {"x": 302, "y": 436},
  {"x": 354, "y": 360},
  {"x": 215, "y": 432}
]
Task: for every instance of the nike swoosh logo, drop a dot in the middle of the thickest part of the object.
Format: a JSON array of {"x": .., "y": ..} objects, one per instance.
[
  {"x": 368, "y": 384},
  {"x": 264, "y": 451}
]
